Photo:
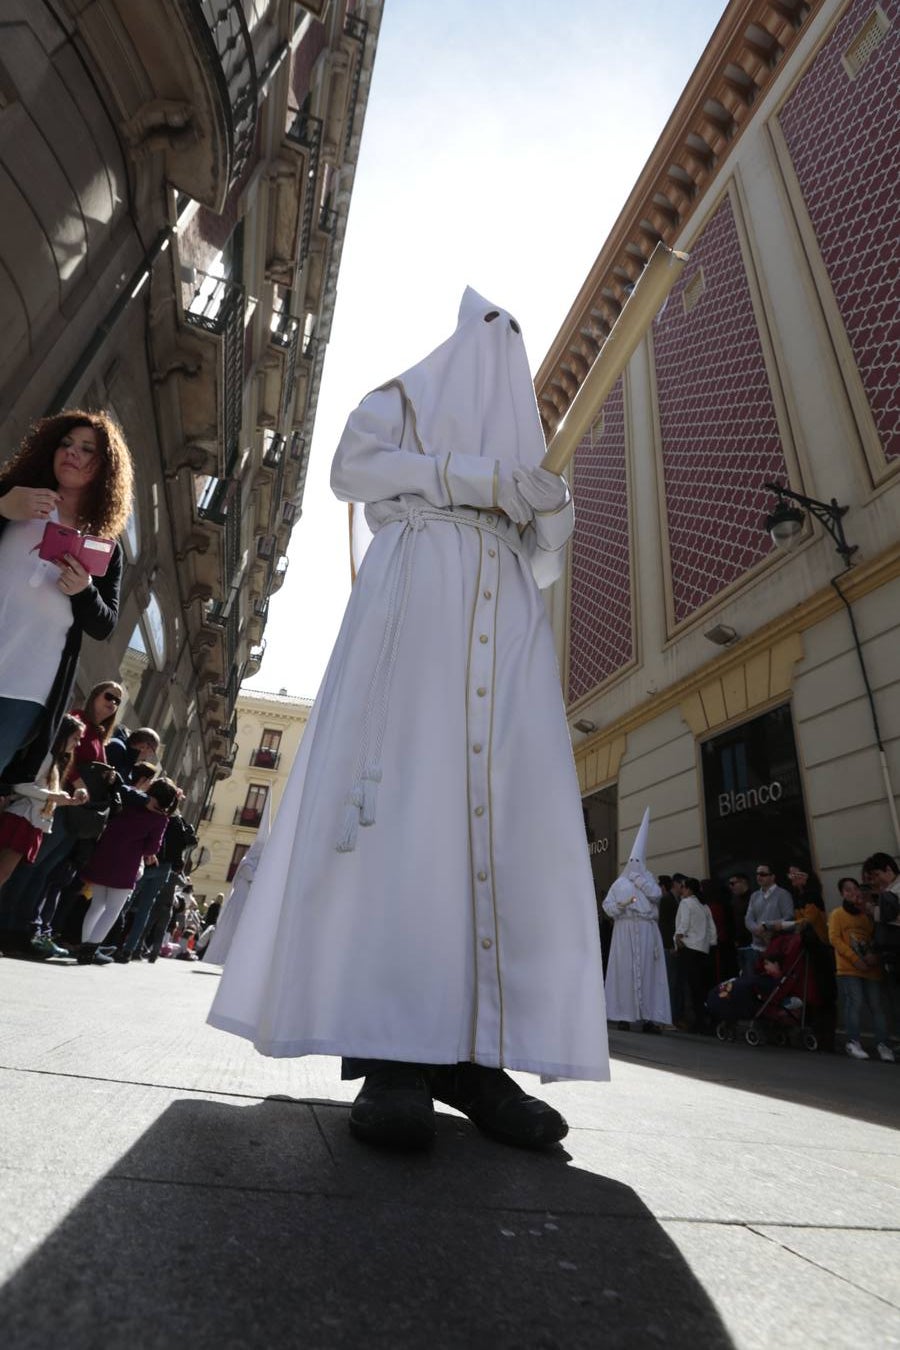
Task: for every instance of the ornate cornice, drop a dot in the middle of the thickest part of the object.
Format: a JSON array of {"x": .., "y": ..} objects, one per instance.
[{"x": 743, "y": 56}]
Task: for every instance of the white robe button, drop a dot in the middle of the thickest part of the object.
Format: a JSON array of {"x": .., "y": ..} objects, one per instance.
[
  {"x": 476, "y": 749},
  {"x": 479, "y": 810},
  {"x": 488, "y": 595},
  {"x": 482, "y": 876},
  {"x": 492, "y": 553},
  {"x": 481, "y": 691},
  {"x": 483, "y": 638},
  {"x": 486, "y": 944}
]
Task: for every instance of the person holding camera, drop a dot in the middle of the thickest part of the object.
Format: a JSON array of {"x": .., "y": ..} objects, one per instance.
[{"x": 73, "y": 470}]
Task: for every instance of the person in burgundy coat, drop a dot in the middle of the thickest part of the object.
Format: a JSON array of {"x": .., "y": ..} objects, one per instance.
[{"x": 131, "y": 837}]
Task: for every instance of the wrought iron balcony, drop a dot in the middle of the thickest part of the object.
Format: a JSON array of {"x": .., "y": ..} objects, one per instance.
[
  {"x": 208, "y": 811},
  {"x": 265, "y": 547},
  {"x": 328, "y": 219},
  {"x": 248, "y": 816},
  {"x": 261, "y": 758},
  {"x": 215, "y": 616},
  {"x": 357, "y": 30},
  {"x": 273, "y": 454},
  {"x": 217, "y": 307},
  {"x": 289, "y": 512},
  {"x": 306, "y": 132},
  {"x": 228, "y": 45},
  {"x": 279, "y": 571}
]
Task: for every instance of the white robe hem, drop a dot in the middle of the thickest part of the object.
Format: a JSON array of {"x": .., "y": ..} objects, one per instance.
[{"x": 404, "y": 1054}]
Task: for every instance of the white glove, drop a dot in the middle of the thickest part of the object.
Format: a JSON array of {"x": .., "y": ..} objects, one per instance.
[
  {"x": 542, "y": 490},
  {"x": 510, "y": 500}
]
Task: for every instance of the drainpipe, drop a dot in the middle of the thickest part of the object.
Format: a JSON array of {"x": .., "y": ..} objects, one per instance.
[{"x": 885, "y": 768}]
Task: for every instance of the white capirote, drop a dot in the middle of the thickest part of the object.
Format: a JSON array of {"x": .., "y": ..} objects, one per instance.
[
  {"x": 426, "y": 894},
  {"x": 637, "y": 986}
]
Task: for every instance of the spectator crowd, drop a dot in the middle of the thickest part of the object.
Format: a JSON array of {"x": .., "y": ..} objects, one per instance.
[
  {"x": 93, "y": 846},
  {"x": 765, "y": 945}
]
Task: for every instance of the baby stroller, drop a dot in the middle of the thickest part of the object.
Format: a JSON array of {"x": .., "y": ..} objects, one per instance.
[{"x": 775, "y": 1007}]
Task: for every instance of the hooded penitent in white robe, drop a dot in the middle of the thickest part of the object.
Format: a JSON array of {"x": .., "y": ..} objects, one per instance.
[
  {"x": 426, "y": 894},
  {"x": 227, "y": 924},
  {"x": 637, "y": 987}
]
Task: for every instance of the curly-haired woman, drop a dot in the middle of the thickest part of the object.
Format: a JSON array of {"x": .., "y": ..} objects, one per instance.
[{"x": 74, "y": 468}]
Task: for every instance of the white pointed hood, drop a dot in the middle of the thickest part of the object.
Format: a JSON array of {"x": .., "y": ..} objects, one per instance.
[
  {"x": 638, "y": 852},
  {"x": 474, "y": 393}
]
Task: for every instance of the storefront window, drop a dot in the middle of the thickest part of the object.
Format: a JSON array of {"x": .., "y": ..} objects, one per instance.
[{"x": 754, "y": 796}]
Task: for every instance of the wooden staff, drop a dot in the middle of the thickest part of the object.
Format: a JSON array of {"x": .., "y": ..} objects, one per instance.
[{"x": 652, "y": 287}]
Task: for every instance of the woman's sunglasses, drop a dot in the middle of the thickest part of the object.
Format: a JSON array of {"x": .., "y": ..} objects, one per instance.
[{"x": 113, "y": 698}]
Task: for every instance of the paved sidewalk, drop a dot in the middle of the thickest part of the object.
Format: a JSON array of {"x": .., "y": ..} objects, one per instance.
[{"x": 160, "y": 1181}]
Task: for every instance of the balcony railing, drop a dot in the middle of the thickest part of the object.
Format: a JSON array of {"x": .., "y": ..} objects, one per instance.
[
  {"x": 234, "y": 70},
  {"x": 217, "y": 307},
  {"x": 248, "y": 816},
  {"x": 328, "y": 219},
  {"x": 289, "y": 512},
  {"x": 273, "y": 454},
  {"x": 261, "y": 758},
  {"x": 306, "y": 131},
  {"x": 254, "y": 658},
  {"x": 356, "y": 29},
  {"x": 208, "y": 811}
]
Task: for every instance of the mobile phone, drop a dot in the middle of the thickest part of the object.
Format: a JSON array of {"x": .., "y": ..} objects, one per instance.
[{"x": 92, "y": 552}]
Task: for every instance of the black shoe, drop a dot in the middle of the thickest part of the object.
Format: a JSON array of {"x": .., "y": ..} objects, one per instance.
[
  {"x": 122, "y": 958},
  {"x": 623, "y": 1026},
  {"x": 497, "y": 1105},
  {"x": 89, "y": 954},
  {"x": 651, "y": 1029},
  {"x": 151, "y": 958},
  {"x": 394, "y": 1108}
]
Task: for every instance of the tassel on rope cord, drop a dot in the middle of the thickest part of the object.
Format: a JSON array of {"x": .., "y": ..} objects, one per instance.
[{"x": 361, "y": 800}]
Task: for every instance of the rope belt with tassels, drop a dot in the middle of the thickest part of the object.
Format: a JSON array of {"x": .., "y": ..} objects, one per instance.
[{"x": 361, "y": 799}]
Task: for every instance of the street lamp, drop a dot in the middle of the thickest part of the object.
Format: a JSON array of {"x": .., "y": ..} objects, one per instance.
[{"x": 785, "y": 523}]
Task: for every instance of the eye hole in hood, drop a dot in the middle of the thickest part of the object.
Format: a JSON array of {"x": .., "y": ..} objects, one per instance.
[
  {"x": 491, "y": 315},
  {"x": 514, "y": 326}
]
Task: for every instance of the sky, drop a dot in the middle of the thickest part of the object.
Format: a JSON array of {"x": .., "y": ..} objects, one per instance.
[{"x": 501, "y": 140}]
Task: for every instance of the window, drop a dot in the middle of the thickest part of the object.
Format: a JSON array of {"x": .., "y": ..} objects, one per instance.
[
  {"x": 250, "y": 814},
  {"x": 237, "y": 855},
  {"x": 267, "y": 755}
]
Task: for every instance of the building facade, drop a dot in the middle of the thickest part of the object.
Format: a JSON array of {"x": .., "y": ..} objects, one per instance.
[
  {"x": 710, "y": 675},
  {"x": 174, "y": 180},
  {"x": 269, "y": 728}
]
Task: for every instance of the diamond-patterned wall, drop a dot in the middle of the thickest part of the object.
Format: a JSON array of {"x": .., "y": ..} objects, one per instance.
[
  {"x": 720, "y": 438},
  {"x": 600, "y": 632},
  {"x": 844, "y": 140}
]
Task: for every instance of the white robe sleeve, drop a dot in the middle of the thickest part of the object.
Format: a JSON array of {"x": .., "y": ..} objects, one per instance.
[
  {"x": 369, "y": 465},
  {"x": 545, "y": 539}
]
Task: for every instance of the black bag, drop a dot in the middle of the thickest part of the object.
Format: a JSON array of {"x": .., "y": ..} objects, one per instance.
[
  {"x": 85, "y": 822},
  {"x": 886, "y": 937},
  {"x": 90, "y": 820}
]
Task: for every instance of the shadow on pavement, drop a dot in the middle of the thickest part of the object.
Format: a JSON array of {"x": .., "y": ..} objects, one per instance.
[
  {"x": 267, "y": 1225},
  {"x": 826, "y": 1082}
]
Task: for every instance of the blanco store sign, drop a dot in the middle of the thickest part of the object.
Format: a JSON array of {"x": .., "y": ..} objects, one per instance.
[{"x": 732, "y": 803}]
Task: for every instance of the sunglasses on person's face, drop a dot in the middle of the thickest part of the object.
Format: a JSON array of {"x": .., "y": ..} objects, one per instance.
[
  {"x": 764, "y": 874},
  {"x": 113, "y": 698}
]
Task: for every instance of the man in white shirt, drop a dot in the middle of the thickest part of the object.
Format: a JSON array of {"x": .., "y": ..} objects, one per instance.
[
  {"x": 769, "y": 904},
  {"x": 695, "y": 933}
]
